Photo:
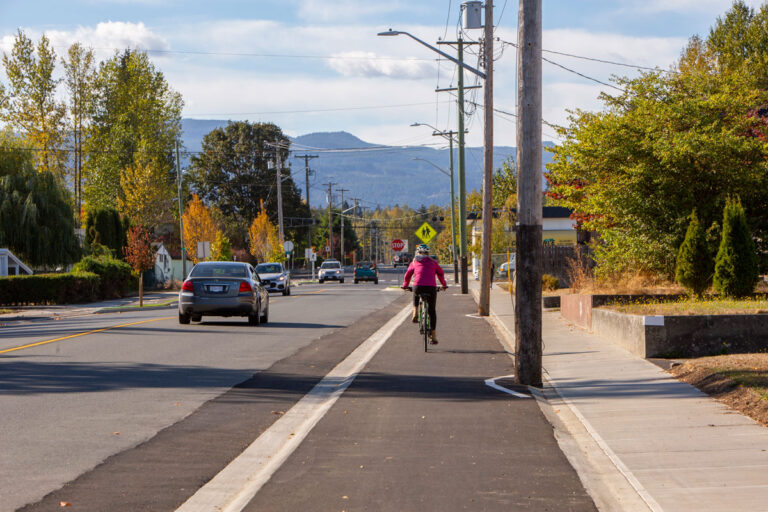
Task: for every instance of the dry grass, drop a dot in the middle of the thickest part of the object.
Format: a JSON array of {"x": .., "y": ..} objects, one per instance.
[
  {"x": 738, "y": 380},
  {"x": 694, "y": 306}
]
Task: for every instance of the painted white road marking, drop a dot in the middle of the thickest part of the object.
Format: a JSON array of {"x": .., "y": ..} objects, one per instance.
[
  {"x": 235, "y": 485},
  {"x": 474, "y": 315},
  {"x": 491, "y": 383}
]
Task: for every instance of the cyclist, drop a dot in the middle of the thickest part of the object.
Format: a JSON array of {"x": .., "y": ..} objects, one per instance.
[{"x": 423, "y": 269}]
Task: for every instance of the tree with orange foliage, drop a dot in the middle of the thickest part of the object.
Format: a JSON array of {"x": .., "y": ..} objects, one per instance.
[
  {"x": 140, "y": 255},
  {"x": 198, "y": 227},
  {"x": 264, "y": 241}
]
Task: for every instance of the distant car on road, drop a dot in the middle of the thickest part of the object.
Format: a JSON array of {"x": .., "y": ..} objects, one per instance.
[
  {"x": 402, "y": 259},
  {"x": 330, "y": 270},
  {"x": 365, "y": 271},
  {"x": 223, "y": 288},
  {"x": 274, "y": 277},
  {"x": 505, "y": 267}
]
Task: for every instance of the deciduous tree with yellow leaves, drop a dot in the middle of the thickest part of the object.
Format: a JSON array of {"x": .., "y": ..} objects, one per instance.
[
  {"x": 198, "y": 227},
  {"x": 264, "y": 241},
  {"x": 147, "y": 193}
]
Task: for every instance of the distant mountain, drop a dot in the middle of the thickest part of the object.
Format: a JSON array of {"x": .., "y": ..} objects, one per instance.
[{"x": 378, "y": 174}]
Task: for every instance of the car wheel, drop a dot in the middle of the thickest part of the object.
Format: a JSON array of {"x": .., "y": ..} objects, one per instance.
[
  {"x": 321, "y": 281},
  {"x": 356, "y": 281},
  {"x": 289, "y": 290},
  {"x": 376, "y": 281},
  {"x": 254, "y": 319},
  {"x": 265, "y": 317},
  {"x": 286, "y": 292},
  {"x": 341, "y": 281},
  {"x": 184, "y": 319}
]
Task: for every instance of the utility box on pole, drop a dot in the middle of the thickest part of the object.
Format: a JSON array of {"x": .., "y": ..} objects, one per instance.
[{"x": 471, "y": 14}]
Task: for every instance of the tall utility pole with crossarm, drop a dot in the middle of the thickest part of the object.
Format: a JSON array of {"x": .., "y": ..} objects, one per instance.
[
  {"x": 528, "y": 248},
  {"x": 307, "y": 173}
]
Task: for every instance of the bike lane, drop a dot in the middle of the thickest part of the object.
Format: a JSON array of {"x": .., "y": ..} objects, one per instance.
[{"x": 424, "y": 431}]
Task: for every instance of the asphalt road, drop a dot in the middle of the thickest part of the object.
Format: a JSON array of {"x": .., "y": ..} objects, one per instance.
[{"x": 84, "y": 389}]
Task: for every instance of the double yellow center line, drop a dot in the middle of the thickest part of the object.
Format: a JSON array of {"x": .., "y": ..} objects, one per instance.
[{"x": 39, "y": 343}]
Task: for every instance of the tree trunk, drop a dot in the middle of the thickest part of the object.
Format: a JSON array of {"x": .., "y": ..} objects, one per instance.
[{"x": 141, "y": 289}]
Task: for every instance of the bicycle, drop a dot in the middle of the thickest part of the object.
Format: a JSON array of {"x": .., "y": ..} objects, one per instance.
[{"x": 425, "y": 328}]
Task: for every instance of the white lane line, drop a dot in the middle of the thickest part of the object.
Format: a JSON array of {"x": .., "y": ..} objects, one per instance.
[
  {"x": 491, "y": 383},
  {"x": 235, "y": 485}
]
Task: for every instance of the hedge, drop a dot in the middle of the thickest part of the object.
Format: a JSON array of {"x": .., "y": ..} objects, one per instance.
[
  {"x": 49, "y": 288},
  {"x": 116, "y": 275}
]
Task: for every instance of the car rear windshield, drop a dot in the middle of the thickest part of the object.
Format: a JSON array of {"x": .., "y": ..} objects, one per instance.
[
  {"x": 363, "y": 265},
  {"x": 218, "y": 271},
  {"x": 267, "y": 268},
  {"x": 329, "y": 264}
]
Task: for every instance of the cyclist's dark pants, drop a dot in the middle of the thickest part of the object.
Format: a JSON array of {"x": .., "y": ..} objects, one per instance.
[{"x": 431, "y": 293}]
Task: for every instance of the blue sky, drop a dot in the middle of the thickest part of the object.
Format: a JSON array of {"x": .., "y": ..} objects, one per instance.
[{"x": 317, "y": 65}]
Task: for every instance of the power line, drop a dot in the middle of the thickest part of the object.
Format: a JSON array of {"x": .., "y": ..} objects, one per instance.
[
  {"x": 582, "y": 75},
  {"x": 593, "y": 59}
]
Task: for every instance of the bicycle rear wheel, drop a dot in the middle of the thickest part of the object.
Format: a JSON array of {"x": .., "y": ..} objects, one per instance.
[{"x": 427, "y": 327}]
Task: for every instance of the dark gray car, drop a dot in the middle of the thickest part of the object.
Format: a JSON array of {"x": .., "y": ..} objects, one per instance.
[{"x": 223, "y": 288}]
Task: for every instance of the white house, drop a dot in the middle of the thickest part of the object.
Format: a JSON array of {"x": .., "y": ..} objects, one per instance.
[{"x": 11, "y": 265}]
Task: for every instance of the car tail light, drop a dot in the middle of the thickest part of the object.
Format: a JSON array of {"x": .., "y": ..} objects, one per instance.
[
  {"x": 188, "y": 286},
  {"x": 245, "y": 287}
]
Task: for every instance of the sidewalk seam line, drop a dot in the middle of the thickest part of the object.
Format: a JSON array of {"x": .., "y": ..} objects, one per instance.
[{"x": 231, "y": 490}]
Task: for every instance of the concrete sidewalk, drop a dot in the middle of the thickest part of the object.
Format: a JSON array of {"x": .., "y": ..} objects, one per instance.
[
  {"x": 31, "y": 313},
  {"x": 639, "y": 438}
]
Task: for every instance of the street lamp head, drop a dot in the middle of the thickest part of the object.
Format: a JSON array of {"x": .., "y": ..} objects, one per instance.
[
  {"x": 415, "y": 124},
  {"x": 389, "y": 32}
]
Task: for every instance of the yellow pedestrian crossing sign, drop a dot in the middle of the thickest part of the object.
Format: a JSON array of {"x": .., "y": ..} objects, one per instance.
[{"x": 426, "y": 233}]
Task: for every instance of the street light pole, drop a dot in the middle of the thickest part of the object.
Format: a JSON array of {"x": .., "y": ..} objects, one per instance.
[
  {"x": 449, "y": 135},
  {"x": 462, "y": 180},
  {"x": 341, "y": 214}
]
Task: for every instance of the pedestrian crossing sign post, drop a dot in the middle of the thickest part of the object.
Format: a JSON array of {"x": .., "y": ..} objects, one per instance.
[{"x": 426, "y": 233}]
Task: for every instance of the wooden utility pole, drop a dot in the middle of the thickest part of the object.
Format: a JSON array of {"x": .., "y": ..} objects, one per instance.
[
  {"x": 483, "y": 306},
  {"x": 307, "y": 173},
  {"x": 529, "y": 242},
  {"x": 341, "y": 214},
  {"x": 181, "y": 216},
  {"x": 330, "y": 218},
  {"x": 462, "y": 175},
  {"x": 279, "y": 177}
]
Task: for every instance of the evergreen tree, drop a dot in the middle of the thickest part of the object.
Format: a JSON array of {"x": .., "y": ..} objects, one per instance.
[
  {"x": 736, "y": 271},
  {"x": 105, "y": 226},
  {"x": 694, "y": 264}
]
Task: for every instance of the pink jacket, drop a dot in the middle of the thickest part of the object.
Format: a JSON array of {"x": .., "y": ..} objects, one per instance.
[{"x": 424, "y": 269}]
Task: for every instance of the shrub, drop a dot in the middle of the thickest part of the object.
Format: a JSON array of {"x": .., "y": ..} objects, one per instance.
[
  {"x": 49, "y": 288},
  {"x": 736, "y": 271},
  {"x": 116, "y": 275},
  {"x": 549, "y": 282},
  {"x": 694, "y": 265}
]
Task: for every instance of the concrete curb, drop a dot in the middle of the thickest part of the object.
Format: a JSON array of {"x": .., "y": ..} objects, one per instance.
[{"x": 125, "y": 309}]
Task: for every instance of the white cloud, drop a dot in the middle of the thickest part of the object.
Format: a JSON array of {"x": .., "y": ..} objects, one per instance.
[
  {"x": 111, "y": 34},
  {"x": 104, "y": 38},
  {"x": 371, "y": 65},
  {"x": 324, "y": 11},
  {"x": 714, "y": 7}
]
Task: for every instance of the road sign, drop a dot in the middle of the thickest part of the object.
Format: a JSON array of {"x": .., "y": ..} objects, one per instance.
[
  {"x": 426, "y": 233},
  {"x": 288, "y": 246},
  {"x": 203, "y": 250},
  {"x": 398, "y": 245}
]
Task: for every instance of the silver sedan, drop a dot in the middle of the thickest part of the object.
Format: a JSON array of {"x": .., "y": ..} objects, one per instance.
[{"x": 223, "y": 288}]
